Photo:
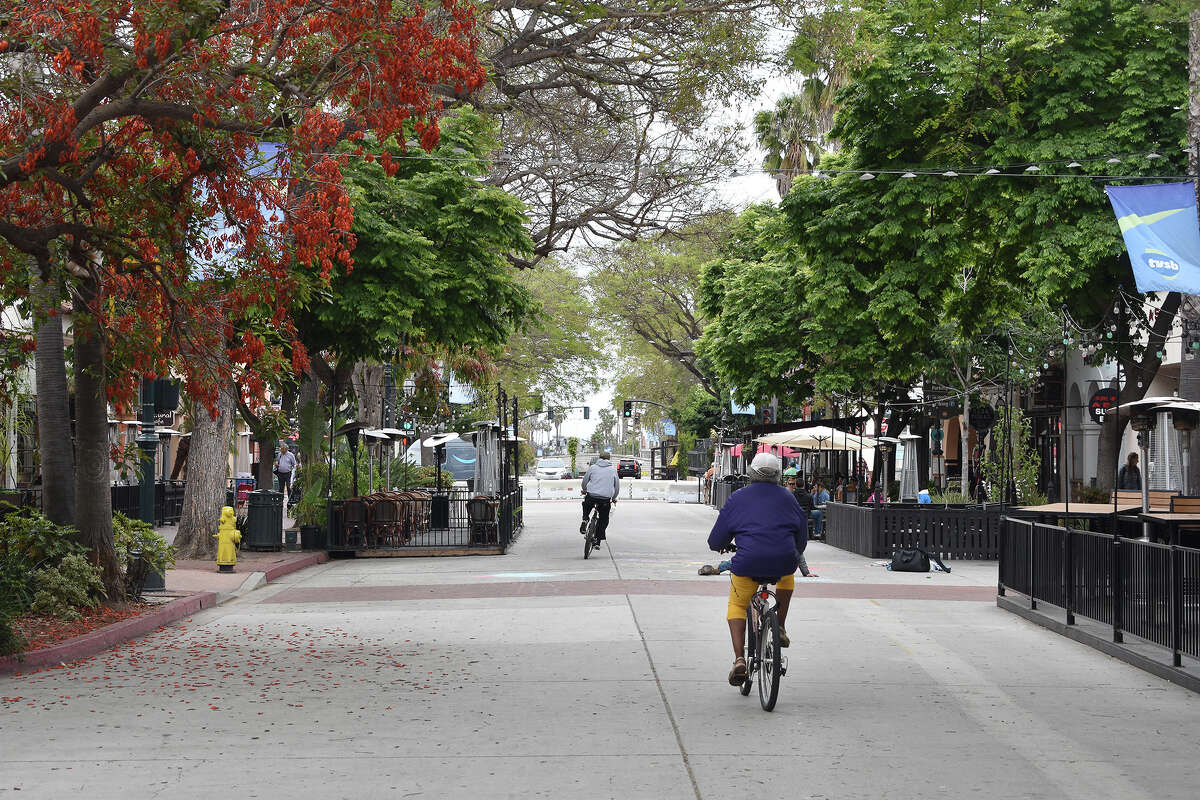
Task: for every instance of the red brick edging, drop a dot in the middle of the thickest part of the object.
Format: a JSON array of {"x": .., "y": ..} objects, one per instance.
[
  {"x": 294, "y": 565},
  {"x": 89, "y": 644}
]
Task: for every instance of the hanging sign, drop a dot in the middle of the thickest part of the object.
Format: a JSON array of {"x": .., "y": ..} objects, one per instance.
[
  {"x": 983, "y": 418},
  {"x": 1158, "y": 222},
  {"x": 1103, "y": 400}
]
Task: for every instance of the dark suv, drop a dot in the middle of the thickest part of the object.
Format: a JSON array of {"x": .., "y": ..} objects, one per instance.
[{"x": 629, "y": 468}]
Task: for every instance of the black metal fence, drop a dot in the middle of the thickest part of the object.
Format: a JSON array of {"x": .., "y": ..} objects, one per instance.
[
  {"x": 453, "y": 519},
  {"x": 168, "y": 501},
  {"x": 1149, "y": 590},
  {"x": 877, "y": 531}
]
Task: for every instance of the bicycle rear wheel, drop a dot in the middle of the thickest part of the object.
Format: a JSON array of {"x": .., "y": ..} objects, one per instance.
[
  {"x": 770, "y": 660},
  {"x": 589, "y": 539},
  {"x": 750, "y": 651}
]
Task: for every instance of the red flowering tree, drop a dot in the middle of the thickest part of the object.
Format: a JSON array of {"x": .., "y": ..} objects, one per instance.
[{"x": 169, "y": 165}]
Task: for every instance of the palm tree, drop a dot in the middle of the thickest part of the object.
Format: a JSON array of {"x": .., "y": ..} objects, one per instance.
[{"x": 795, "y": 134}]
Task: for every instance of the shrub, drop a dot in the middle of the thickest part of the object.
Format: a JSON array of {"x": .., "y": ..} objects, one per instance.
[
  {"x": 10, "y": 641},
  {"x": 59, "y": 590},
  {"x": 1091, "y": 494},
  {"x": 29, "y": 542},
  {"x": 133, "y": 535},
  {"x": 952, "y": 497}
]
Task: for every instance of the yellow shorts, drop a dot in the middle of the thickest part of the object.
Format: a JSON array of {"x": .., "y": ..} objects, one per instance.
[{"x": 741, "y": 590}]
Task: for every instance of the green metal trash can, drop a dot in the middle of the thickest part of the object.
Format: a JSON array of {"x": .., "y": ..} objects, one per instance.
[{"x": 264, "y": 521}]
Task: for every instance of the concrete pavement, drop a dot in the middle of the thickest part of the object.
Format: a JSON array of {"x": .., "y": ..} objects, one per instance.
[{"x": 539, "y": 674}]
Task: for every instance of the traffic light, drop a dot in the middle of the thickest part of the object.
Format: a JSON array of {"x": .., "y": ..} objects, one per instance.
[
  {"x": 637, "y": 418},
  {"x": 767, "y": 416},
  {"x": 587, "y": 413},
  {"x": 628, "y": 408},
  {"x": 406, "y": 424},
  {"x": 550, "y": 414}
]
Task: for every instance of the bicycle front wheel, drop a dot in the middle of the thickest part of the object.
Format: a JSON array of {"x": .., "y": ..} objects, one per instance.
[
  {"x": 750, "y": 650},
  {"x": 770, "y": 660}
]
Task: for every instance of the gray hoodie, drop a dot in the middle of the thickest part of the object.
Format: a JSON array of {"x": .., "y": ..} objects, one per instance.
[{"x": 601, "y": 480}]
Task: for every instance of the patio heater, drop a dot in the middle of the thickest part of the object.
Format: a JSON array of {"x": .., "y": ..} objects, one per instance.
[
  {"x": 351, "y": 430},
  {"x": 908, "y": 472},
  {"x": 1143, "y": 417},
  {"x": 487, "y": 462},
  {"x": 393, "y": 435},
  {"x": 887, "y": 444},
  {"x": 439, "y": 507},
  {"x": 372, "y": 436},
  {"x": 1185, "y": 416}
]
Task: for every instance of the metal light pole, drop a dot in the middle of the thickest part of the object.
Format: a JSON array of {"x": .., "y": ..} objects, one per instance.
[{"x": 147, "y": 442}]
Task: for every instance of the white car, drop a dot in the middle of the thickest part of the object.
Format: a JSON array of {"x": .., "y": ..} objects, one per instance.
[{"x": 552, "y": 469}]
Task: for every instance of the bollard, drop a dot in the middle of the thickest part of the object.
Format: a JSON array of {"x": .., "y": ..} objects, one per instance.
[{"x": 228, "y": 538}]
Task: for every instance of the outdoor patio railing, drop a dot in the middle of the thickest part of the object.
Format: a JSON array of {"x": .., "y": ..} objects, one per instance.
[
  {"x": 1149, "y": 590},
  {"x": 453, "y": 519},
  {"x": 877, "y": 531}
]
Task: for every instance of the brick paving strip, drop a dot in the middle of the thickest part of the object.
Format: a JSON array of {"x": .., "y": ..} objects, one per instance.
[{"x": 718, "y": 588}]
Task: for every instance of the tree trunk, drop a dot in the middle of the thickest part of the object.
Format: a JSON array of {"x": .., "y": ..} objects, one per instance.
[
  {"x": 368, "y": 388},
  {"x": 208, "y": 467},
  {"x": 53, "y": 407},
  {"x": 93, "y": 489},
  {"x": 1189, "y": 366}
]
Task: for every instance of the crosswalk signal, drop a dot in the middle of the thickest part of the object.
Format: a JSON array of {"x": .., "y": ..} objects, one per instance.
[
  {"x": 628, "y": 408},
  {"x": 766, "y": 415}
]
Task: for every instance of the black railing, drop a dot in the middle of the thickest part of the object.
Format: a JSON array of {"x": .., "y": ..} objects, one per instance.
[
  {"x": 877, "y": 531},
  {"x": 168, "y": 501},
  {"x": 452, "y": 519},
  {"x": 1149, "y": 590}
]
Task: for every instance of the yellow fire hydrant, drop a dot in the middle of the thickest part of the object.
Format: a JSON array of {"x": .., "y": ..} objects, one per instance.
[{"x": 228, "y": 538}]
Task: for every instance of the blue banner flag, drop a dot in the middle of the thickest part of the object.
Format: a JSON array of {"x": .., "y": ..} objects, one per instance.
[{"x": 1161, "y": 233}]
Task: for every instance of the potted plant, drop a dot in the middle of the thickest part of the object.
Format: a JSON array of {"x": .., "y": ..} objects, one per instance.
[{"x": 312, "y": 514}]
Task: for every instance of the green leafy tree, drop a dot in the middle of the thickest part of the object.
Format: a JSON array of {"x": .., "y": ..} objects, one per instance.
[{"x": 1004, "y": 85}]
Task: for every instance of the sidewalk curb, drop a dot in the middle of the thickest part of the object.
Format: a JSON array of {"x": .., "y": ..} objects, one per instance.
[{"x": 89, "y": 644}]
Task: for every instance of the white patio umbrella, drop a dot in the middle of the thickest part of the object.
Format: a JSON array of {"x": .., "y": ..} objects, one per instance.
[{"x": 908, "y": 471}]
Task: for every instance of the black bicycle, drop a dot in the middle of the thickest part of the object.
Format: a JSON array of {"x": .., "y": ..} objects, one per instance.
[{"x": 762, "y": 649}]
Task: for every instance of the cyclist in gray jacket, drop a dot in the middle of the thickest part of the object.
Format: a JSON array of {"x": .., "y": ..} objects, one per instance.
[{"x": 600, "y": 488}]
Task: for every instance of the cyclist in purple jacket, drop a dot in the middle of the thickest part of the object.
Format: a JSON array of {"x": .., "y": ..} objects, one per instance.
[{"x": 771, "y": 532}]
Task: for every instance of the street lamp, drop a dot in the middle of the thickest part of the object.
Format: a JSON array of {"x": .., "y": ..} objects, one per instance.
[{"x": 147, "y": 442}]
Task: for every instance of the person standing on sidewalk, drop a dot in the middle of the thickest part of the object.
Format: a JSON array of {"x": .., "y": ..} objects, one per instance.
[{"x": 285, "y": 465}]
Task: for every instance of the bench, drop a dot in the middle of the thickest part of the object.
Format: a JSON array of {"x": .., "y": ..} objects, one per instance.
[{"x": 1159, "y": 499}]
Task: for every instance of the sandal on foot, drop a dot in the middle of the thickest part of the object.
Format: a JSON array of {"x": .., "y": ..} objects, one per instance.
[
  {"x": 737, "y": 675},
  {"x": 707, "y": 569}
]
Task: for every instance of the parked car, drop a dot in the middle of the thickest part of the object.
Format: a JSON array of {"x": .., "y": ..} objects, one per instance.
[
  {"x": 629, "y": 468},
  {"x": 552, "y": 469}
]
